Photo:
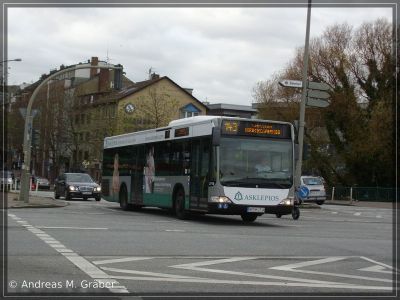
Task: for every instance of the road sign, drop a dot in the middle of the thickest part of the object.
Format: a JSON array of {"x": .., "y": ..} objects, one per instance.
[
  {"x": 317, "y": 102},
  {"x": 318, "y": 94},
  {"x": 291, "y": 83},
  {"x": 318, "y": 86},
  {"x": 303, "y": 192}
]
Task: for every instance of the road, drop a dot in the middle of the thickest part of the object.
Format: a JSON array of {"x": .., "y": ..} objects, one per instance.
[{"x": 96, "y": 248}]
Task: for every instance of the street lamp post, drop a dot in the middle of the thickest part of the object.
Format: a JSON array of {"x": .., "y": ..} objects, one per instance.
[
  {"x": 4, "y": 89},
  {"x": 25, "y": 175},
  {"x": 15, "y": 59}
]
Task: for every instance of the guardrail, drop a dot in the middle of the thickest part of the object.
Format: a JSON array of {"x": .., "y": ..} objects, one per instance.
[{"x": 380, "y": 194}]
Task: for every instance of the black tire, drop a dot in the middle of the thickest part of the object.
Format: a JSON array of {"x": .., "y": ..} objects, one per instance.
[
  {"x": 179, "y": 204},
  {"x": 67, "y": 196},
  {"x": 278, "y": 215},
  {"x": 249, "y": 217},
  {"x": 98, "y": 198},
  {"x": 56, "y": 196},
  {"x": 135, "y": 207},
  {"x": 296, "y": 213},
  {"x": 85, "y": 198},
  {"x": 123, "y": 198},
  {"x": 320, "y": 202}
]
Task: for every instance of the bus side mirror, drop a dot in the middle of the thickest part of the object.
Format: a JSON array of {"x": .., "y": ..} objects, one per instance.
[{"x": 216, "y": 136}]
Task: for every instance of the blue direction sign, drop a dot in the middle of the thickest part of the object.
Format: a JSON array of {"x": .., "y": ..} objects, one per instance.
[{"x": 303, "y": 192}]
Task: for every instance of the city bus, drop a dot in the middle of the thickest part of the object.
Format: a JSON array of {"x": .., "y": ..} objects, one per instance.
[{"x": 203, "y": 164}]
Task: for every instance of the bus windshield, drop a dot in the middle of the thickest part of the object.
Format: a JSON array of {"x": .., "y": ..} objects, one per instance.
[{"x": 256, "y": 162}]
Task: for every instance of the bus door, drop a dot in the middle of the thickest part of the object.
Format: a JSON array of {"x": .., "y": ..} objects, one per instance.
[
  {"x": 200, "y": 161},
  {"x": 137, "y": 175}
]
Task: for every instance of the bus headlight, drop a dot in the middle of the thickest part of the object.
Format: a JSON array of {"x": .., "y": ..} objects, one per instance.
[
  {"x": 97, "y": 189},
  {"x": 288, "y": 201},
  {"x": 72, "y": 188},
  {"x": 220, "y": 199}
]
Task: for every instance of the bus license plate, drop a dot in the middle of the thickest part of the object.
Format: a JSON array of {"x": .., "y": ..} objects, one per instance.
[
  {"x": 86, "y": 193},
  {"x": 256, "y": 209}
]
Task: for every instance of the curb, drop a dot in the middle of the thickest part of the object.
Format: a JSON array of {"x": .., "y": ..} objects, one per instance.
[
  {"x": 32, "y": 205},
  {"x": 309, "y": 206},
  {"x": 341, "y": 204},
  {"x": 35, "y": 202}
]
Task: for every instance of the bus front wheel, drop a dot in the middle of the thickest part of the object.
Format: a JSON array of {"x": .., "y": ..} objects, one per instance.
[
  {"x": 180, "y": 204},
  {"x": 249, "y": 217}
]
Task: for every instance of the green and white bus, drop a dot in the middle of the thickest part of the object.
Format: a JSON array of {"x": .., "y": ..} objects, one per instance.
[{"x": 203, "y": 164}]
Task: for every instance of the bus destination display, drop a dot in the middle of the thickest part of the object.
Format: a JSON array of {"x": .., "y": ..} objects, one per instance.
[{"x": 236, "y": 127}]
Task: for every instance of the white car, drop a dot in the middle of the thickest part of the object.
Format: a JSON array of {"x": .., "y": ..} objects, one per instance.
[
  {"x": 6, "y": 180},
  {"x": 316, "y": 189}
]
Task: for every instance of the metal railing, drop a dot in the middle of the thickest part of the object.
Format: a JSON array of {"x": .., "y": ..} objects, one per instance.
[{"x": 379, "y": 194}]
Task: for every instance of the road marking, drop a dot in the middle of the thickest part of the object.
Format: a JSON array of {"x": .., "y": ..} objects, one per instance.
[
  {"x": 293, "y": 268},
  {"x": 68, "y": 227},
  {"x": 175, "y": 230},
  {"x": 195, "y": 267},
  {"x": 334, "y": 213},
  {"x": 117, "y": 260},
  {"x": 379, "y": 216},
  {"x": 357, "y": 214},
  {"x": 309, "y": 263},
  {"x": 82, "y": 263},
  {"x": 146, "y": 273},
  {"x": 378, "y": 263},
  {"x": 376, "y": 268},
  {"x": 51, "y": 242}
]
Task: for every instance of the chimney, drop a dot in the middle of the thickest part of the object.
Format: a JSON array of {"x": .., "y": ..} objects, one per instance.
[
  {"x": 94, "y": 62},
  {"x": 104, "y": 80},
  {"x": 155, "y": 76},
  {"x": 190, "y": 91}
]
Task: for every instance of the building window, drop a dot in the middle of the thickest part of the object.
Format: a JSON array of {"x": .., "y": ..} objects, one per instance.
[{"x": 189, "y": 111}]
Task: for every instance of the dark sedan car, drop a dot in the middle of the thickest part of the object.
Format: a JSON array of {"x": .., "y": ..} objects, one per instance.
[
  {"x": 40, "y": 183},
  {"x": 76, "y": 185}
]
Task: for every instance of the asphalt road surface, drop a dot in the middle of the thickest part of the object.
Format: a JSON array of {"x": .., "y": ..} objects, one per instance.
[{"x": 91, "y": 247}]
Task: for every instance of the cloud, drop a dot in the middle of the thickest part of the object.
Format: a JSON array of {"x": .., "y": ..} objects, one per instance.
[{"x": 220, "y": 52}]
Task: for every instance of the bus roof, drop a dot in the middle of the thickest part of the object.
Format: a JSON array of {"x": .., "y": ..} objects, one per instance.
[{"x": 177, "y": 129}]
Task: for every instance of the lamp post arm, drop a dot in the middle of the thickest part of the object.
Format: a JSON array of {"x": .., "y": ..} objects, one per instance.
[{"x": 25, "y": 176}]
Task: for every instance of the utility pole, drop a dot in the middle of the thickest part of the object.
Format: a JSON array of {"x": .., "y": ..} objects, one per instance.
[
  {"x": 25, "y": 175},
  {"x": 303, "y": 100}
]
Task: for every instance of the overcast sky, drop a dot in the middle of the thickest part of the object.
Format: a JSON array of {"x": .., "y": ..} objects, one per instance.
[{"x": 219, "y": 52}]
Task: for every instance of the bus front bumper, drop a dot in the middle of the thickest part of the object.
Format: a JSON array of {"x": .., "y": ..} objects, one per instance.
[{"x": 234, "y": 209}]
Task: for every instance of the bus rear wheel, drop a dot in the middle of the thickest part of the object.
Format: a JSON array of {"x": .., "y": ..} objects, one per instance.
[
  {"x": 123, "y": 198},
  {"x": 179, "y": 202},
  {"x": 249, "y": 217}
]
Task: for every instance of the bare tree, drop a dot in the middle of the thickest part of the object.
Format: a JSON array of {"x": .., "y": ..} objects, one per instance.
[{"x": 359, "y": 66}]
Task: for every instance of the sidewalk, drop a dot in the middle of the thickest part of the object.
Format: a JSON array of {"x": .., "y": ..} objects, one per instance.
[{"x": 34, "y": 201}]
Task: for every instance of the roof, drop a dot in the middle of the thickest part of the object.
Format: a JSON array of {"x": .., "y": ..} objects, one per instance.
[
  {"x": 231, "y": 107},
  {"x": 138, "y": 86}
]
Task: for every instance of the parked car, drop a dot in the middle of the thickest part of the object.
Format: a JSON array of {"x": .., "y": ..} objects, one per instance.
[
  {"x": 6, "y": 180},
  {"x": 41, "y": 182},
  {"x": 76, "y": 185},
  {"x": 316, "y": 189}
]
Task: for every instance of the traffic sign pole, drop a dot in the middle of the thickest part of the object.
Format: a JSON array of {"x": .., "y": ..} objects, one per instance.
[{"x": 303, "y": 100}]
